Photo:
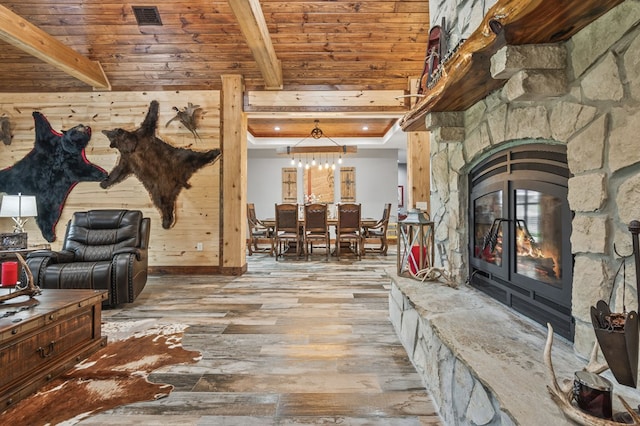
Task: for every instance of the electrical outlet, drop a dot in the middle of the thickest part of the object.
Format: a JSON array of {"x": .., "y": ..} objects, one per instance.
[{"x": 199, "y": 247}]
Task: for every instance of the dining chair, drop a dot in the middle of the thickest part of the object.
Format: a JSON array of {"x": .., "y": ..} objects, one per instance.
[
  {"x": 349, "y": 229},
  {"x": 287, "y": 229},
  {"x": 316, "y": 228},
  {"x": 258, "y": 231},
  {"x": 378, "y": 232}
]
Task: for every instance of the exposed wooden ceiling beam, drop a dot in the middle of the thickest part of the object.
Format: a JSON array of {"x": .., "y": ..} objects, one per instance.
[
  {"x": 249, "y": 15},
  {"x": 324, "y": 149},
  {"x": 27, "y": 37}
]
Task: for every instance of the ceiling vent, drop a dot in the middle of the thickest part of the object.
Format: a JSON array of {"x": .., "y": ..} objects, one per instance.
[{"x": 147, "y": 15}]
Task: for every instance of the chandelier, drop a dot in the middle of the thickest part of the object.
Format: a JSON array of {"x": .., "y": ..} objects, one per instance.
[{"x": 311, "y": 156}]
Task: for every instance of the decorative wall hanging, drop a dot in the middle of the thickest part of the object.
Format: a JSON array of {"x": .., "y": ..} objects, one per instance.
[
  {"x": 50, "y": 170},
  {"x": 289, "y": 185},
  {"x": 189, "y": 117},
  {"x": 348, "y": 184},
  {"x": 163, "y": 169},
  {"x": 5, "y": 131},
  {"x": 318, "y": 185},
  {"x": 436, "y": 48}
]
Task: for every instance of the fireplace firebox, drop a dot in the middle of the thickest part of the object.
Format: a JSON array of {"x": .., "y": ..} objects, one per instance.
[{"x": 520, "y": 249}]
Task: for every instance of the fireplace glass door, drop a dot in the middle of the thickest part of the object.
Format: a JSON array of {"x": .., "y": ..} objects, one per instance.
[
  {"x": 520, "y": 250},
  {"x": 488, "y": 228},
  {"x": 538, "y": 233}
]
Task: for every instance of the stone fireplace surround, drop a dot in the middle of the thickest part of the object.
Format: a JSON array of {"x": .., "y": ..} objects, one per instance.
[{"x": 591, "y": 104}]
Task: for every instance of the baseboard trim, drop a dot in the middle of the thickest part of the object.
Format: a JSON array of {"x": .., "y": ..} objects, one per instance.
[
  {"x": 236, "y": 270},
  {"x": 184, "y": 270}
]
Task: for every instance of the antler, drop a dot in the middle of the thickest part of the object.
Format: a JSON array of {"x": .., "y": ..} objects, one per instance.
[
  {"x": 30, "y": 290},
  {"x": 562, "y": 395},
  {"x": 434, "y": 274}
]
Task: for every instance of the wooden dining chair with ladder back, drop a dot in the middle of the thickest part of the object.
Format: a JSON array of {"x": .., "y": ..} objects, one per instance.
[
  {"x": 349, "y": 229},
  {"x": 316, "y": 228},
  {"x": 287, "y": 230},
  {"x": 258, "y": 232},
  {"x": 378, "y": 232}
]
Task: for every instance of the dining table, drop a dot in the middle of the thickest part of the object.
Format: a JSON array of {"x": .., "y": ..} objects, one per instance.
[{"x": 365, "y": 222}]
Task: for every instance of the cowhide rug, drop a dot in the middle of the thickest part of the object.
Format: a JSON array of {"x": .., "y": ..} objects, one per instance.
[{"x": 113, "y": 376}]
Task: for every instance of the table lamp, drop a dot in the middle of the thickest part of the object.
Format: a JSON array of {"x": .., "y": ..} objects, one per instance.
[{"x": 18, "y": 207}]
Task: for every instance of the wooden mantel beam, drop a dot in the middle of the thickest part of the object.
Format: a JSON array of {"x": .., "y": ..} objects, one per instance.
[
  {"x": 466, "y": 78},
  {"x": 254, "y": 27},
  {"x": 27, "y": 37}
]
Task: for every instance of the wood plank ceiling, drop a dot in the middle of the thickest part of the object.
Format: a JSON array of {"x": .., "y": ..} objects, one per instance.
[{"x": 366, "y": 49}]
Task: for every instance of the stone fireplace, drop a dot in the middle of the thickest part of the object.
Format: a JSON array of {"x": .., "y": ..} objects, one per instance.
[
  {"x": 592, "y": 108},
  {"x": 574, "y": 108}
]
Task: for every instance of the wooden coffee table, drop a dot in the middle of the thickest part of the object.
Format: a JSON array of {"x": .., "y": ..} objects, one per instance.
[{"x": 44, "y": 336}]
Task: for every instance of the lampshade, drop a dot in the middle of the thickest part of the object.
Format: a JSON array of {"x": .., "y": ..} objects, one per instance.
[{"x": 19, "y": 206}]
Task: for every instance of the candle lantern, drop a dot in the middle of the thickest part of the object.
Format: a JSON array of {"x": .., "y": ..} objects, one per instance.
[{"x": 415, "y": 243}]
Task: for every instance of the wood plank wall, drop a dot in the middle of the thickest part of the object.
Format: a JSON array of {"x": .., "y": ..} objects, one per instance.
[
  {"x": 418, "y": 169},
  {"x": 197, "y": 209}
]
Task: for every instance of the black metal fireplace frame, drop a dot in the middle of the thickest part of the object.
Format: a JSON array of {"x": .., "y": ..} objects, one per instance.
[{"x": 539, "y": 167}]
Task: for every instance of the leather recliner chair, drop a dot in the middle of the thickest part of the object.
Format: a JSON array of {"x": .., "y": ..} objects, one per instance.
[{"x": 102, "y": 250}]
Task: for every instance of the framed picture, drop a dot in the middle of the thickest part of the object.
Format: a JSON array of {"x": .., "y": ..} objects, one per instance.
[
  {"x": 318, "y": 185},
  {"x": 400, "y": 196},
  {"x": 13, "y": 241}
]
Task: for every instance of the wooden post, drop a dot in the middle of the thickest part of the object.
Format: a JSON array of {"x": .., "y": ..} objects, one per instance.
[
  {"x": 233, "y": 167},
  {"x": 418, "y": 169}
]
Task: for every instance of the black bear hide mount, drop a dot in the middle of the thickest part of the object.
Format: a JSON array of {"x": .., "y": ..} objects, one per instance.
[{"x": 50, "y": 170}]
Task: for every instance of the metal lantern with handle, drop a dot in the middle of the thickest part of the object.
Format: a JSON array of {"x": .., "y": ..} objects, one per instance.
[{"x": 415, "y": 243}]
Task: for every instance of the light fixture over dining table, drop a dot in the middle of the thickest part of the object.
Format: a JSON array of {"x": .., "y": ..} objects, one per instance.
[{"x": 323, "y": 156}]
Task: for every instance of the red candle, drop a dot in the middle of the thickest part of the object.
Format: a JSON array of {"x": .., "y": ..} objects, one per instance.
[{"x": 9, "y": 274}]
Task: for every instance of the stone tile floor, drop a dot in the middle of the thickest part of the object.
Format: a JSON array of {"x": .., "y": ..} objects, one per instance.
[{"x": 291, "y": 342}]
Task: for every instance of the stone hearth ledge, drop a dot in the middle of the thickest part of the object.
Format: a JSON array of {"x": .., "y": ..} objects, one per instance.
[{"x": 482, "y": 363}]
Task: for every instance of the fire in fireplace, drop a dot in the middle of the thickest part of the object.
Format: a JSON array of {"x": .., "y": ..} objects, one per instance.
[{"x": 520, "y": 252}]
